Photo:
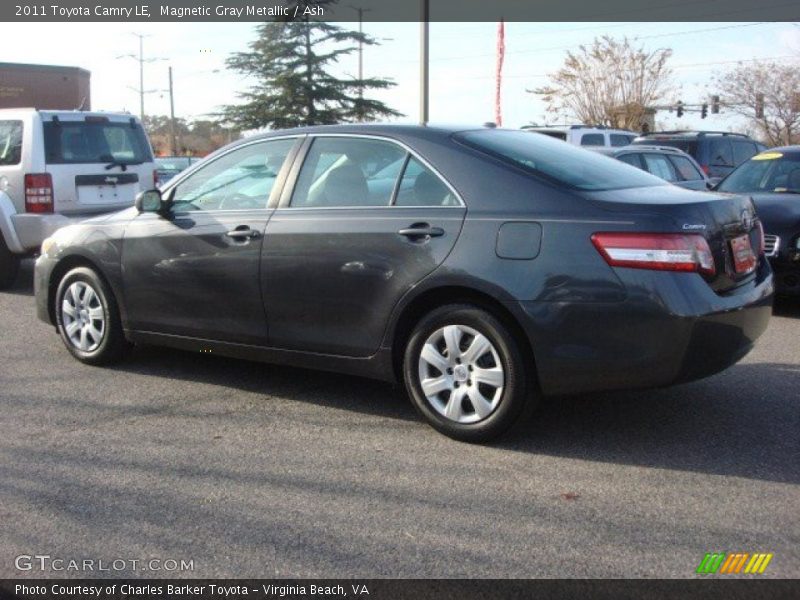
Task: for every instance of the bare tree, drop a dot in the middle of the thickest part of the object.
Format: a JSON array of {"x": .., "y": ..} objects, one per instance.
[
  {"x": 609, "y": 83},
  {"x": 768, "y": 95}
]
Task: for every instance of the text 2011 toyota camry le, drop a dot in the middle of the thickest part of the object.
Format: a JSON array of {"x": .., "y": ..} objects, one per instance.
[{"x": 483, "y": 268}]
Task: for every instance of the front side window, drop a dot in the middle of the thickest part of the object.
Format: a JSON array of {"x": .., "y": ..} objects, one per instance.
[
  {"x": 557, "y": 162},
  {"x": 686, "y": 168},
  {"x": 10, "y": 142},
  {"x": 348, "y": 172},
  {"x": 593, "y": 139},
  {"x": 239, "y": 180},
  {"x": 100, "y": 141}
]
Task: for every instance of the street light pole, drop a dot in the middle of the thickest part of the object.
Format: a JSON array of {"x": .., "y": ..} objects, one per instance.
[{"x": 424, "y": 75}]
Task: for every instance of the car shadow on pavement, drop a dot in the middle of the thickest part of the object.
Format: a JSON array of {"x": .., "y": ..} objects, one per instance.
[
  {"x": 23, "y": 286},
  {"x": 744, "y": 422},
  {"x": 334, "y": 390},
  {"x": 787, "y": 307}
]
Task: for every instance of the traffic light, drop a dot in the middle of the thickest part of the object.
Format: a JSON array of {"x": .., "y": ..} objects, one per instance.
[
  {"x": 704, "y": 111},
  {"x": 714, "y": 105},
  {"x": 679, "y": 109},
  {"x": 759, "y": 106}
]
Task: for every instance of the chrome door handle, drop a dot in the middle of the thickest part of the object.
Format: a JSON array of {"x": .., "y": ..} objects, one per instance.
[
  {"x": 426, "y": 230},
  {"x": 243, "y": 233}
]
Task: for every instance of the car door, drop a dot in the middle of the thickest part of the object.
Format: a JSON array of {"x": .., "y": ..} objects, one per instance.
[
  {"x": 195, "y": 271},
  {"x": 363, "y": 222}
]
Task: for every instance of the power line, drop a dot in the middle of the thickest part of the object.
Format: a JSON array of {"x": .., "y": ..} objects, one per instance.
[
  {"x": 576, "y": 46},
  {"x": 683, "y": 66}
]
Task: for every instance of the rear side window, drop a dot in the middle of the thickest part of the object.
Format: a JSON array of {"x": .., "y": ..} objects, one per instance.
[
  {"x": 686, "y": 169},
  {"x": 659, "y": 165},
  {"x": 348, "y": 172},
  {"x": 74, "y": 142},
  {"x": 618, "y": 139},
  {"x": 421, "y": 187},
  {"x": 10, "y": 142},
  {"x": 593, "y": 139},
  {"x": 632, "y": 159},
  {"x": 557, "y": 162}
]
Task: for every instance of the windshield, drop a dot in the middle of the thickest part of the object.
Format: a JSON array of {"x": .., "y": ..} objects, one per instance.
[
  {"x": 73, "y": 142},
  {"x": 559, "y": 162},
  {"x": 766, "y": 172}
]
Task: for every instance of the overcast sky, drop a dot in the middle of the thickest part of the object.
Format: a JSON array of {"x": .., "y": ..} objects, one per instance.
[{"x": 462, "y": 62}]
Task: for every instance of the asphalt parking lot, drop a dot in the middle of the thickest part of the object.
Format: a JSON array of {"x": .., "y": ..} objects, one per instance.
[{"x": 251, "y": 470}]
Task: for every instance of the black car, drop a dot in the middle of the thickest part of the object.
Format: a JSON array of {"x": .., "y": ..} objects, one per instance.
[
  {"x": 772, "y": 179},
  {"x": 717, "y": 152},
  {"x": 668, "y": 163},
  {"x": 483, "y": 268}
]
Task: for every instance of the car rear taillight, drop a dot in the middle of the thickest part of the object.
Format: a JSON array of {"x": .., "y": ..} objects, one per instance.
[
  {"x": 657, "y": 251},
  {"x": 762, "y": 243},
  {"x": 38, "y": 193},
  {"x": 155, "y": 178},
  {"x": 706, "y": 170}
]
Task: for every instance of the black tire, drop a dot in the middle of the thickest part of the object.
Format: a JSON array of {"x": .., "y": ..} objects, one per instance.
[
  {"x": 9, "y": 265},
  {"x": 516, "y": 397},
  {"x": 113, "y": 344}
]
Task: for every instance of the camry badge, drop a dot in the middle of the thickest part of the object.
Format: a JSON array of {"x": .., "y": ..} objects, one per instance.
[{"x": 693, "y": 226}]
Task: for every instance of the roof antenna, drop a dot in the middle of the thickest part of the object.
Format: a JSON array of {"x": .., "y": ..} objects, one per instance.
[{"x": 82, "y": 105}]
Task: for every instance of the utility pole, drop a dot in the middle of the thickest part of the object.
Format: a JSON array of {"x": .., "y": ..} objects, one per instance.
[
  {"x": 424, "y": 74},
  {"x": 360, "y": 12},
  {"x": 141, "y": 75},
  {"x": 173, "y": 139},
  {"x": 141, "y": 60}
]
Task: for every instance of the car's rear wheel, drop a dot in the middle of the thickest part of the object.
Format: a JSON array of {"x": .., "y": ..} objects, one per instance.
[
  {"x": 9, "y": 265},
  {"x": 466, "y": 373},
  {"x": 88, "y": 318}
]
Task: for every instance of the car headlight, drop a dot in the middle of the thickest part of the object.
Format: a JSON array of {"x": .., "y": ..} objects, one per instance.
[{"x": 47, "y": 245}]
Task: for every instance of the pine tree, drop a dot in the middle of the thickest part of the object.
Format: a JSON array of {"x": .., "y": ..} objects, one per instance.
[{"x": 291, "y": 61}]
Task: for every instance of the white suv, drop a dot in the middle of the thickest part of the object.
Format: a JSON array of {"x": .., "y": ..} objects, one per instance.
[
  {"x": 584, "y": 135},
  {"x": 57, "y": 167}
]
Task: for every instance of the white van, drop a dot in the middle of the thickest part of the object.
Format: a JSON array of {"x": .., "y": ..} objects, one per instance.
[
  {"x": 585, "y": 135},
  {"x": 57, "y": 167}
]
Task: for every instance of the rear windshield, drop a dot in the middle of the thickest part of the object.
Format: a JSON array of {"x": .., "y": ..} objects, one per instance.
[
  {"x": 72, "y": 142},
  {"x": 558, "y": 162}
]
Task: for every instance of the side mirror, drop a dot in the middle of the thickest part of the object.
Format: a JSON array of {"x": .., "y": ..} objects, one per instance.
[{"x": 149, "y": 201}]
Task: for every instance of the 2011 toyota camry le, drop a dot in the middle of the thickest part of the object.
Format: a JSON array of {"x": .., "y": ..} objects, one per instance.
[{"x": 483, "y": 268}]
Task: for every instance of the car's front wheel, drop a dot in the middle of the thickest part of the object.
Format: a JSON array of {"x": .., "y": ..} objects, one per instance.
[
  {"x": 466, "y": 373},
  {"x": 88, "y": 318}
]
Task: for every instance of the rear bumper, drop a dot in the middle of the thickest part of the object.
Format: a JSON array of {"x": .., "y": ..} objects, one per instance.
[
  {"x": 33, "y": 229},
  {"x": 671, "y": 328}
]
